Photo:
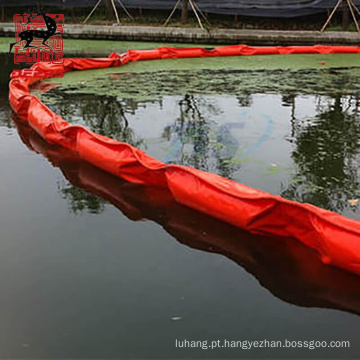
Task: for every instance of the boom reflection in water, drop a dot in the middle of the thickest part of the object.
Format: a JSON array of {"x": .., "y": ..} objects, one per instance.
[{"x": 285, "y": 267}]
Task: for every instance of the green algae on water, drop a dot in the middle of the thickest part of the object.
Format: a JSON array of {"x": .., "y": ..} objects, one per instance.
[
  {"x": 144, "y": 85},
  {"x": 304, "y": 74}
]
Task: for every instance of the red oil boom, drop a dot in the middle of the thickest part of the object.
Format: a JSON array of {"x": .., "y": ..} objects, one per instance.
[{"x": 335, "y": 237}]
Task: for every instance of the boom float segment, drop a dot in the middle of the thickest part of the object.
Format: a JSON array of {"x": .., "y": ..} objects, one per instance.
[{"x": 335, "y": 237}]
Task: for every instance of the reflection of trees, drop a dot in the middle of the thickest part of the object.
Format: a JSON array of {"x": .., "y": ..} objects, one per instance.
[
  {"x": 102, "y": 114},
  {"x": 194, "y": 129},
  {"x": 79, "y": 200},
  {"x": 289, "y": 100},
  {"x": 197, "y": 141},
  {"x": 325, "y": 148},
  {"x": 105, "y": 116},
  {"x": 190, "y": 128},
  {"x": 245, "y": 99},
  {"x": 5, "y": 119},
  {"x": 325, "y": 156}
]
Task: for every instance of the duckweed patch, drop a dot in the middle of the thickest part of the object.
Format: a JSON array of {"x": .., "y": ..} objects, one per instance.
[{"x": 146, "y": 86}]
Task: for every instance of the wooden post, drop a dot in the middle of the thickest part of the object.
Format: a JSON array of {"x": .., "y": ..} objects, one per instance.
[
  {"x": 125, "y": 10},
  {"x": 354, "y": 6},
  {"x": 140, "y": 9},
  {"x": 331, "y": 15},
  {"x": 345, "y": 16},
  {"x": 196, "y": 14},
  {"x": 172, "y": 12},
  {"x": 184, "y": 11},
  {"x": 73, "y": 14},
  {"x": 196, "y": 8},
  {"x": 109, "y": 10},
  {"x": 353, "y": 15},
  {"x": 92, "y": 11},
  {"x": 115, "y": 11}
]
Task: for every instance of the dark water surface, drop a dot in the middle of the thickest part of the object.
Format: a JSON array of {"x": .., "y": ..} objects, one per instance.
[{"x": 83, "y": 276}]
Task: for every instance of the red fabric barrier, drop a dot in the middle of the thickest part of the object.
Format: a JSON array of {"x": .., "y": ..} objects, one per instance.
[
  {"x": 335, "y": 237},
  {"x": 287, "y": 268}
]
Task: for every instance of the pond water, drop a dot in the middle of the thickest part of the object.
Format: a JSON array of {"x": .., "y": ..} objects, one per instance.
[
  {"x": 83, "y": 276},
  {"x": 292, "y": 132}
]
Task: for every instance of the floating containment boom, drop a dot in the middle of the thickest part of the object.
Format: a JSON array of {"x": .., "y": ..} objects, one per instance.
[{"x": 335, "y": 237}]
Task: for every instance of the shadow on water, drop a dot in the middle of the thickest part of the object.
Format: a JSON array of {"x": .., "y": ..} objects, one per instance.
[{"x": 289, "y": 270}]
